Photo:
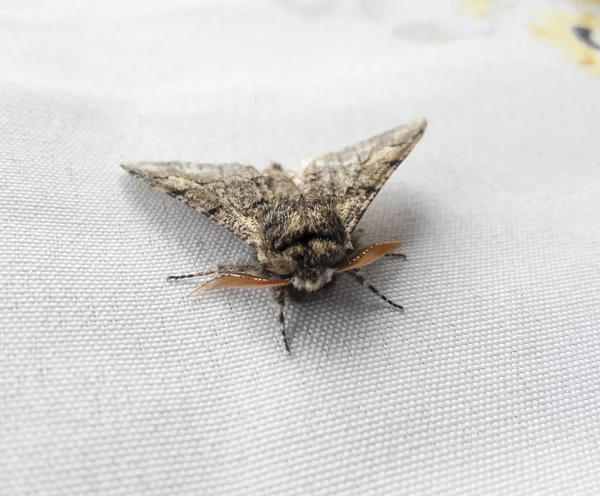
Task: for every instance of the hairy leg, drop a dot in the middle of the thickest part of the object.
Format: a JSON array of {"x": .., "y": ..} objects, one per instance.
[
  {"x": 359, "y": 277},
  {"x": 221, "y": 269},
  {"x": 279, "y": 297},
  {"x": 396, "y": 255}
]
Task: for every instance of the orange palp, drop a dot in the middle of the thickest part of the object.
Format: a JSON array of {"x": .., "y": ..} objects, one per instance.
[
  {"x": 239, "y": 280},
  {"x": 370, "y": 253}
]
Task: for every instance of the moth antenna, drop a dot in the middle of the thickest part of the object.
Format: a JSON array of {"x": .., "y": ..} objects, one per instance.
[
  {"x": 359, "y": 277},
  {"x": 197, "y": 274}
]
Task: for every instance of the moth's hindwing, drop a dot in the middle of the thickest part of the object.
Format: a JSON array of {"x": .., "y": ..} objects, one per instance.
[{"x": 354, "y": 175}]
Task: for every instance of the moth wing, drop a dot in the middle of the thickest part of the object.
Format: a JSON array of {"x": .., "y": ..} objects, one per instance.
[
  {"x": 354, "y": 175},
  {"x": 282, "y": 182},
  {"x": 229, "y": 194}
]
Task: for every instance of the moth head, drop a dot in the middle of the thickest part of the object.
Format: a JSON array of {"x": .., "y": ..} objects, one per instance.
[
  {"x": 312, "y": 279},
  {"x": 309, "y": 264}
]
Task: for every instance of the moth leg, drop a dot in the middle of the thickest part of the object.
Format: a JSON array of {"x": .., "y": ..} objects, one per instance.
[
  {"x": 279, "y": 296},
  {"x": 197, "y": 274},
  {"x": 221, "y": 269},
  {"x": 359, "y": 277},
  {"x": 396, "y": 255},
  {"x": 245, "y": 267}
]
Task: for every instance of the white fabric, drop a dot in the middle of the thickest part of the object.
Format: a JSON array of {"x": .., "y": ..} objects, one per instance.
[{"x": 112, "y": 382}]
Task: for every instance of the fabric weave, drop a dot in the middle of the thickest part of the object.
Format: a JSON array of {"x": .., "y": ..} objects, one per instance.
[{"x": 112, "y": 382}]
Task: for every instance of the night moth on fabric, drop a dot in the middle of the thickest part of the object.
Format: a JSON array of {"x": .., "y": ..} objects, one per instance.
[{"x": 302, "y": 226}]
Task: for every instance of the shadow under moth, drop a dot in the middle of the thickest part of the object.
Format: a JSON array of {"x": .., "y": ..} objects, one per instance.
[{"x": 302, "y": 226}]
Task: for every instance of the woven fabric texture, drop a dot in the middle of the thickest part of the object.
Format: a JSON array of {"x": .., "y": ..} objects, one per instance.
[{"x": 112, "y": 382}]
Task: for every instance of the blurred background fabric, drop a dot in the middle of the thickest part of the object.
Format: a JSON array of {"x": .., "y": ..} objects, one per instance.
[{"x": 112, "y": 382}]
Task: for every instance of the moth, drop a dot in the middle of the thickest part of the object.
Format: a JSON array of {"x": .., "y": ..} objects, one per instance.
[{"x": 302, "y": 226}]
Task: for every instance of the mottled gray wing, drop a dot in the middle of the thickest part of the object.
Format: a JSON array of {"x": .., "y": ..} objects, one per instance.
[
  {"x": 230, "y": 194},
  {"x": 282, "y": 182},
  {"x": 355, "y": 174}
]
